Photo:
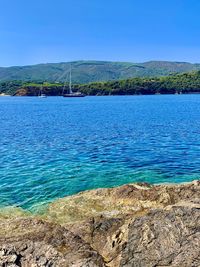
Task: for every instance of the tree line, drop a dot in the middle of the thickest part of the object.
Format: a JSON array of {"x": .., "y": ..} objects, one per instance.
[{"x": 172, "y": 84}]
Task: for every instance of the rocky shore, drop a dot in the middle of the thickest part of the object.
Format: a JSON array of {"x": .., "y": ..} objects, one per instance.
[{"x": 137, "y": 225}]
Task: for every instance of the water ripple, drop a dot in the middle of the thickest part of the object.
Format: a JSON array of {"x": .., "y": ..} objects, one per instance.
[{"x": 58, "y": 147}]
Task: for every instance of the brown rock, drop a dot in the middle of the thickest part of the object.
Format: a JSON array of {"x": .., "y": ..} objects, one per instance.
[
  {"x": 32, "y": 242},
  {"x": 137, "y": 225},
  {"x": 164, "y": 238}
]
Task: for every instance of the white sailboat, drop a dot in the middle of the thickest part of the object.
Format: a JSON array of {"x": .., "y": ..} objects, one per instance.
[
  {"x": 71, "y": 93},
  {"x": 41, "y": 95}
]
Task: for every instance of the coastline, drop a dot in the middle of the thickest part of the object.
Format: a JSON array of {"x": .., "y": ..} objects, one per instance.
[
  {"x": 42, "y": 207},
  {"x": 111, "y": 223},
  {"x": 107, "y": 95}
]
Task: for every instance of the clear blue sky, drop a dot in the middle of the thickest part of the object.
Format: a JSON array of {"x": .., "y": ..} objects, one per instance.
[{"x": 35, "y": 31}]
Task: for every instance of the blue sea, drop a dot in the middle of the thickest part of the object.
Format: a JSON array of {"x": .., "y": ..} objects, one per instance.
[{"x": 54, "y": 147}]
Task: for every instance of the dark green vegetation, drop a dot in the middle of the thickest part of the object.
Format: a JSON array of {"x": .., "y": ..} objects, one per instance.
[
  {"x": 177, "y": 83},
  {"x": 31, "y": 88},
  {"x": 94, "y": 71}
]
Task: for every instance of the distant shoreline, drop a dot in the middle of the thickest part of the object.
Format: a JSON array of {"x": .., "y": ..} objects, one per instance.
[
  {"x": 184, "y": 83},
  {"x": 189, "y": 93}
]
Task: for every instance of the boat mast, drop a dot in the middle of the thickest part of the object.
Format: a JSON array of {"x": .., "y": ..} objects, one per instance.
[
  {"x": 70, "y": 80},
  {"x": 63, "y": 90},
  {"x": 40, "y": 92}
]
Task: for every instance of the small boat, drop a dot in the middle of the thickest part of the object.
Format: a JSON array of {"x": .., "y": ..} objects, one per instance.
[
  {"x": 3, "y": 94},
  {"x": 41, "y": 95},
  {"x": 71, "y": 93},
  {"x": 77, "y": 94}
]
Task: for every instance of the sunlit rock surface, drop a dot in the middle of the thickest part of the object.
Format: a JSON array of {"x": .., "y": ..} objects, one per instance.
[
  {"x": 33, "y": 242},
  {"x": 135, "y": 225}
]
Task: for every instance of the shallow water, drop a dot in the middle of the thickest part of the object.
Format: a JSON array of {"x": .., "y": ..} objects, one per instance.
[{"x": 54, "y": 147}]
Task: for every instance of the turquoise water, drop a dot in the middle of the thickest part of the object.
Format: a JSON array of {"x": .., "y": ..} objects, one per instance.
[{"x": 55, "y": 147}]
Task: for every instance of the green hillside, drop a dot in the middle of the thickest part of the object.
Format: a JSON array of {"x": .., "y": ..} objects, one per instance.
[
  {"x": 94, "y": 71},
  {"x": 177, "y": 83},
  {"x": 182, "y": 83}
]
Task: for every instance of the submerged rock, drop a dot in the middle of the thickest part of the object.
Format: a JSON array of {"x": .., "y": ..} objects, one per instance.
[{"x": 137, "y": 225}]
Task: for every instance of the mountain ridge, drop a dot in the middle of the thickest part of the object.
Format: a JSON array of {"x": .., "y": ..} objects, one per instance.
[{"x": 85, "y": 71}]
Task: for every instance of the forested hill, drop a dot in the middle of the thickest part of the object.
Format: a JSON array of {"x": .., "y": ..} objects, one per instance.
[
  {"x": 178, "y": 83},
  {"x": 94, "y": 71},
  {"x": 174, "y": 84}
]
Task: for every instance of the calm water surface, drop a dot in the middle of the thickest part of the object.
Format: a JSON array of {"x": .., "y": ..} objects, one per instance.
[{"x": 54, "y": 147}]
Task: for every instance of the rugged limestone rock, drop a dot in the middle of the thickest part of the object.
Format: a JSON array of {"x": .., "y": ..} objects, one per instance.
[
  {"x": 21, "y": 92},
  {"x": 131, "y": 199},
  {"x": 135, "y": 225},
  {"x": 164, "y": 238},
  {"x": 32, "y": 242}
]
